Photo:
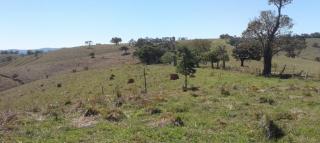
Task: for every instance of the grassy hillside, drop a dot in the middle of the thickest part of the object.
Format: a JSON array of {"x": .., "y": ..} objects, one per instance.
[
  {"x": 227, "y": 107},
  {"x": 31, "y": 68},
  {"x": 304, "y": 63},
  {"x": 311, "y": 52}
]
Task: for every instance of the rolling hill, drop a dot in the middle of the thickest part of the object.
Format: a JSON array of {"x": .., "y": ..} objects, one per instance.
[{"x": 67, "y": 96}]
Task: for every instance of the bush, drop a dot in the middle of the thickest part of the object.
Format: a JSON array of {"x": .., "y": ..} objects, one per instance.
[
  {"x": 167, "y": 58},
  {"x": 149, "y": 54},
  {"x": 92, "y": 55},
  {"x": 115, "y": 116}
]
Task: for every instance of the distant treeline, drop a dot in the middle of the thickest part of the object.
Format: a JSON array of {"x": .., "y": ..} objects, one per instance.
[
  {"x": 17, "y": 52},
  {"x": 312, "y": 35}
]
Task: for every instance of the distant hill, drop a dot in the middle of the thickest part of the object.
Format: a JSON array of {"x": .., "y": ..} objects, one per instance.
[
  {"x": 311, "y": 52},
  {"x": 59, "y": 61}
]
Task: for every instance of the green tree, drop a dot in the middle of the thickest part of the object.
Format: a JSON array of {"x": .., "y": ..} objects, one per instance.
[
  {"x": 149, "y": 54},
  {"x": 186, "y": 64},
  {"x": 247, "y": 50},
  {"x": 132, "y": 43},
  {"x": 30, "y": 52},
  {"x": 37, "y": 53},
  {"x": 168, "y": 58},
  {"x": 212, "y": 57},
  {"x": 219, "y": 47},
  {"x": 116, "y": 40},
  {"x": 267, "y": 28},
  {"x": 291, "y": 45}
]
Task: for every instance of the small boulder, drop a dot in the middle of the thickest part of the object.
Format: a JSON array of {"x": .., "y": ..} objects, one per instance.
[
  {"x": 174, "y": 76},
  {"x": 130, "y": 81}
]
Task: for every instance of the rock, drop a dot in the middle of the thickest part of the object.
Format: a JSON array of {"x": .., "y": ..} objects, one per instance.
[
  {"x": 174, "y": 76},
  {"x": 67, "y": 102},
  {"x": 59, "y": 85},
  {"x": 130, "y": 81}
]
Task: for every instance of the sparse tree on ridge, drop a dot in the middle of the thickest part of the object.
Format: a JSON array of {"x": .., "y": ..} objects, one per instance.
[
  {"x": 116, "y": 40},
  {"x": 88, "y": 43},
  {"x": 267, "y": 28}
]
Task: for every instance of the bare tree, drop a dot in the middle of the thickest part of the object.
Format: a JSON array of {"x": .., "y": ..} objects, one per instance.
[{"x": 267, "y": 28}]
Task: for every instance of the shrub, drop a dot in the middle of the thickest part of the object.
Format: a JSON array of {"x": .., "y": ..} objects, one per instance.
[
  {"x": 178, "y": 122},
  {"x": 115, "y": 116},
  {"x": 270, "y": 129},
  {"x": 91, "y": 112},
  {"x": 92, "y": 55}
]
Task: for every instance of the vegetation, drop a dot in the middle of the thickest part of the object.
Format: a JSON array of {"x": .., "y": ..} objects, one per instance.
[
  {"x": 186, "y": 65},
  {"x": 207, "y": 114},
  {"x": 116, "y": 40},
  {"x": 266, "y": 30},
  {"x": 64, "y": 96},
  {"x": 247, "y": 50},
  {"x": 124, "y": 49}
]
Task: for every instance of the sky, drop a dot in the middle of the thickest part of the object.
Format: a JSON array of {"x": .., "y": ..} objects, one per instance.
[{"x": 32, "y": 24}]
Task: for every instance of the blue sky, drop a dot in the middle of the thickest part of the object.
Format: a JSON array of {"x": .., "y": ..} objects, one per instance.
[{"x": 30, "y": 24}]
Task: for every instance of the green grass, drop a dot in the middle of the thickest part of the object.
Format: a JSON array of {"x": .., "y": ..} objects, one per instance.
[{"x": 209, "y": 117}]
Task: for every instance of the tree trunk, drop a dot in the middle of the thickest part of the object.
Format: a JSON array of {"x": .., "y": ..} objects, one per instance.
[
  {"x": 145, "y": 80},
  {"x": 224, "y": 64},
  {"x": 186, "y": 81},
  {"x": 212, "y": 66},
  {"x": 242, "y": 62},
  {"x": 267, "y": 61},
  {"x": 218, "y": 65},
  {"x": 175, "y": 59}
]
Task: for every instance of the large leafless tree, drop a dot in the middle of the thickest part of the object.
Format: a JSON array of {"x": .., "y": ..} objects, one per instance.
[{"x": 267, "y": 29}]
